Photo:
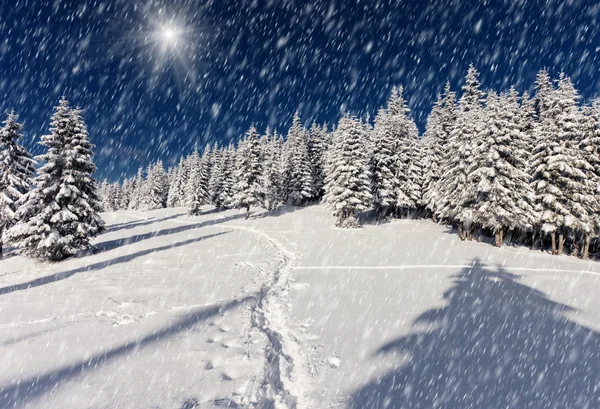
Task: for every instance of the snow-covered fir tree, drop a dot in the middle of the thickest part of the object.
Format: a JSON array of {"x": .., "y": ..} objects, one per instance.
[
  {"x": 154, "y": 188},
  {"x": 271, "y": 178},
  {"x": 215, "y": 182},
  {"x": 126, "y": 193},
  {"x": 435, "y": 144},
  {"x": 137, "y": 190},
  {"x": 194, "y": 169},
  {"x": 197, "y": 187},
  {"x": 348, "y": 182},
  {"x": 55, "y": 219},
  {"x": 318, "y": 142},
  {"x": 504, "y": 199},
  {"x": 406, "y": 136},
  {"x": 563, "y": 180},
  {"x": 456, "y": 193},
  {"x": 385, "y": 183},
  {"x": 206, "y": 166},
  {"x": 81, "y": 168},
  {"x": 247, "y": 188},
  {"x": 300, "y": 175},
  {"x": 176, "y": 187},
  {"x": 16, "y": 172},
  {"x": 590, "y": 148}
]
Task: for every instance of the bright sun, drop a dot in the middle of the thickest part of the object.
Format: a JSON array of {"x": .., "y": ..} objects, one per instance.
[{"x": 170, "y": 35}]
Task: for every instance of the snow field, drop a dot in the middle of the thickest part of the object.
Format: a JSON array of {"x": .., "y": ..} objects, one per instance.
[{"x": 286, "y": 311}]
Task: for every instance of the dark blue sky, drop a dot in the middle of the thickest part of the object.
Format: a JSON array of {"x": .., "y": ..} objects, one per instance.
[{"x": 238, "y": 62}]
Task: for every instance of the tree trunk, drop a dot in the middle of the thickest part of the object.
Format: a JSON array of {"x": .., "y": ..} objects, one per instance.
[
  {"x": 554, "y": 252},
  {"x": 247, "y": 212},
  {"x": 561, "y": 243},
  {"x": 499, "y": 238},
  {"x": 461, "y": 231},
  {"x": 470, "y": 233},
  {"x": 586, "y": 247}
]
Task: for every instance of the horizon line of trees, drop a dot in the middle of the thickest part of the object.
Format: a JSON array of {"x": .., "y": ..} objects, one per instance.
[{"x": 504, "y": 163}]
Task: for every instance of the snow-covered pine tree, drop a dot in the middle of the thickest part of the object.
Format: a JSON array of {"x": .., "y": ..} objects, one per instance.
[
  {"x": 215, "y": 183},
  {"x": 116, "y": 195},
  {"x": 197, "y": 190},
  {"x": 563, "y": 180},
  {"x": 406, "y": 136},
  {"x": 504, "y": 199},
  {"x": 385, "y": 183},
  {"x": 206, "y": 166},
  {"x": 436, "y": 142},
  {"x": 137, "y": 190},
  {"x": 55, "y": 219},
  {"x": 284, "y": 171},
  {"x": 126, "y": 193},
  {"x": 229, "y": 177},
  {"x": 194, "y": 170},
  {"x": 248, "y": 172},
  {"x": 300, "y": 185},
  {"x": 348, "y": 182},
  {"x": 105, "y": 194},
  {"x": 81, "y": 167},
  {"x": 154, "y": 188},
  {"x": 173, "y": 195},
  {"x": 16, "y": 171},
  {"x": 270, "y": 178},
  {"x": 456, "y": 194},
  {"x": 543, "y": 92},
  {"x": 590, "y": 147},
  {"x": 317, "y": 149}
]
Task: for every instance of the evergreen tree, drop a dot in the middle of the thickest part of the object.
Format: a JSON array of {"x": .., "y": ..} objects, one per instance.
[
  {"x": 227, "y": 196},
  {"x": 80, "y": 167},
  {"x": 16, "y": 171},
  {"x": 456, "y": 193},
  {"x": 348, "y": 187},
  {"x": 300, "y": 185},
  {"x": 197, "y": 188},
  {"x": 408, "y": 168},
  {"x": 385, "y": 183},
  {"x": 126, "y": 193},
  {"x": 504, "y": 199},
  {"x": 435, "y": 144},
  {"x": 194, "y": 180},
  {"x": 55, "y": 218},
  {"x": 215, "y": 183},
  {"x": 137, "y": 190},
  {"x": 270, "y": 178},
  {"x": 563, "y": 179},
  {"x": 248, "y": 172},
  {"x": 175, "y": 186},
  {"x": 154, "y": 188},
  {"x": 317, "y": 148},
  {"x": 590, "y": 148}
]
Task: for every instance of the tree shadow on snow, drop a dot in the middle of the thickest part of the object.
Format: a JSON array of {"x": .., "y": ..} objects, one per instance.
[
  {"x": 496, "y": 344},
  {"x": 116, "y": 243},
  {"x": 52, "y": 278},
  {"x": 139, "y": 223},
  {"x": 21, "y": 392}
]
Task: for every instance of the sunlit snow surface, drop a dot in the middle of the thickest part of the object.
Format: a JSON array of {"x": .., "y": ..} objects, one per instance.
[{"x": 287, "y": 310}]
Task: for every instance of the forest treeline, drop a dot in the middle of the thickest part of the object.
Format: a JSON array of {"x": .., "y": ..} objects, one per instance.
[{"x": 506, "y": 163}]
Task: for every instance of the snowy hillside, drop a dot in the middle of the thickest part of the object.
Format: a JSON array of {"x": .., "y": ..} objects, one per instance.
[{"x": 287, "y": 311}]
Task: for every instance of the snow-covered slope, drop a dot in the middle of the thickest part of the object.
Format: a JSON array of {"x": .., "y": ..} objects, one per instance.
[{"x": 287, "y": 311}]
